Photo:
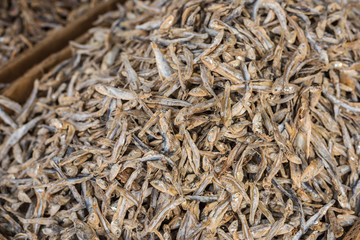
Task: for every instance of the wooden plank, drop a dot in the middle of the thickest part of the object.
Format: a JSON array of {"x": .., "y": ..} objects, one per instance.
[
  {"x": 21, "y": 88},
  {"x": 2, "y": 237},
  {"x": 54, "y": 42}
]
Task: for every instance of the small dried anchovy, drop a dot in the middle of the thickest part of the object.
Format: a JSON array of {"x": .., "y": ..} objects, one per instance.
[{"x": 192, "y": 120}]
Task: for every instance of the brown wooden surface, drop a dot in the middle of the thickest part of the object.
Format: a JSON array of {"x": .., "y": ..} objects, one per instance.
[
  {"x": 54, "y": 42},
  {"x": 354, "y": 232},
  {"x": 21, "y": 88},
  {"x": 2, "y": 237}
]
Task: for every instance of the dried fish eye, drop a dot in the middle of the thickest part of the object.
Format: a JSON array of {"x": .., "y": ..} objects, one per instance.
[{"x": 229, "y": 213}]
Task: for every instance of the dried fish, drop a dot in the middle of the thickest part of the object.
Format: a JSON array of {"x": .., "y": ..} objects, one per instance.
[
  {"x": 314, "y": 218},
  {"x": 187, "y": 119}
]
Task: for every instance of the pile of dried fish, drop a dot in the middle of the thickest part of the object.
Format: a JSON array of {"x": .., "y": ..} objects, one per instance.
[
  {"x": 23, "y": 23},
  {"x": 192, "y": 120}
]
